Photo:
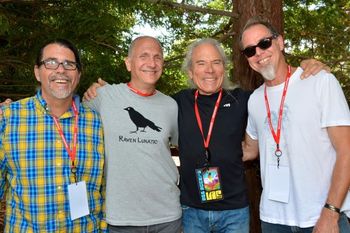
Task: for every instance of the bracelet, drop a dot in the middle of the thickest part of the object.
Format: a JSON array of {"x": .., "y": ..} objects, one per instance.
[{"x": 332, "y": 208}]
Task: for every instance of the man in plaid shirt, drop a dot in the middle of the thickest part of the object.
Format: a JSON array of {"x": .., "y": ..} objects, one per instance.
[{"x": 51, "y": 152}]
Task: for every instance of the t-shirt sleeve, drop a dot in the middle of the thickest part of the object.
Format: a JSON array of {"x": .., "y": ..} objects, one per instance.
[
  {"x": 334, "y": 107},
  {"x": 95, "y": 103},
  {"x": 251, "y": 129}
]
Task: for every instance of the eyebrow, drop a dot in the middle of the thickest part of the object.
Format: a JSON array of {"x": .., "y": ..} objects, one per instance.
[
  {"x": 54, "y": 58},
  {"x": 262, "y": 38},
  {"x": 215, "y": 60},
  {"x": 49, "y": 58}
]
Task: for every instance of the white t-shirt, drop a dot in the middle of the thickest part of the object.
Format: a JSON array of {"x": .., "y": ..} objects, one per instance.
[{"x": 310, "y": 107}]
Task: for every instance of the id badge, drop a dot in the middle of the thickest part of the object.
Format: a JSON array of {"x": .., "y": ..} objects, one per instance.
[
  {"x": 209, "y": 184},
  {"x": 78, "y": 202},
  {"x": 279, "y": 179}
]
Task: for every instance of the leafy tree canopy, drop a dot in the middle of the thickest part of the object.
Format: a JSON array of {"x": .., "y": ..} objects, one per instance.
[{"x": 102, "y": 31}]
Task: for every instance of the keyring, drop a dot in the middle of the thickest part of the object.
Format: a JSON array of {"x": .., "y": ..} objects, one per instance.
[
  {"x": 278, "y": 153},
  {"x": 73, "y": 170}
]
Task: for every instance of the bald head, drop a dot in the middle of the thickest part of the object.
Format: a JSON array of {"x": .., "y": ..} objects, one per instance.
[{"x": 143, "y": 38}]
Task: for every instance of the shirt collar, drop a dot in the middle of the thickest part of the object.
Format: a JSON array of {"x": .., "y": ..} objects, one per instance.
[{"x": 42, "y": 105}]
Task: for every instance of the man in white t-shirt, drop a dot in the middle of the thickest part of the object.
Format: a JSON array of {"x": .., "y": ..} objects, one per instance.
[{"x": 301, "y": 131}]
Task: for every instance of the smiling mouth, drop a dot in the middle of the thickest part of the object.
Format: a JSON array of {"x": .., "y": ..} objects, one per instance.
[
  {"x": 61, "y": 81},
  {"x": 264, "y": 61},
  {"x": 210, "y": 79},
  {"x": 150, "y": 71}
]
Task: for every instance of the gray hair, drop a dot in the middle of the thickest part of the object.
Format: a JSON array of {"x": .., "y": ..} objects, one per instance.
[
  {"x": 133, "y": 43},
  {"x": 256, "y": 20},
  {"x": 187, "y": 63}
]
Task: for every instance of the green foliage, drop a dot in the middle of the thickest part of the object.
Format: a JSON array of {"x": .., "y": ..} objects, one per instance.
[
  {"x": 321, "y": 29},
  {"x": 183, "y": 27},
  {"x": 4, "y": 24},
  {"x": 102, "y": 32},
  {"x": 100, "y": 29}
]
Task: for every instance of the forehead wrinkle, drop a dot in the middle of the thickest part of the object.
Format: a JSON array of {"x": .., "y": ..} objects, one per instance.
[
  {"x": 255, "y": 31},
  {"x": 56, "y": 59},
  {"x": 202, "y": 60},
  {"x": 58, "y": 51},
  {"x": 218, "y": 59}
]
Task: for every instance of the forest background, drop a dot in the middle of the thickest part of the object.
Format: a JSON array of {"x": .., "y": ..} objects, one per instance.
[{"x": 103, "y": 30}]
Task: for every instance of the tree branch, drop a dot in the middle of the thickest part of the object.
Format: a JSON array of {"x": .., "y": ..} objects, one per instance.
[
  {"x": 188, "y": 7},
  {"x": 13, "y": 61},
  {"x": 16, "y": 1},
  {"x": 116, "y": 49}
]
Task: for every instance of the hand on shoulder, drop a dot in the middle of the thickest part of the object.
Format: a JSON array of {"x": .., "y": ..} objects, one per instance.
[{"x": 91, "y": 92}]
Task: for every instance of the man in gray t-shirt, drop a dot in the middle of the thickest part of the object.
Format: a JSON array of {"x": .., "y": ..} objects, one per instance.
[{"x": 140, "y": 123}]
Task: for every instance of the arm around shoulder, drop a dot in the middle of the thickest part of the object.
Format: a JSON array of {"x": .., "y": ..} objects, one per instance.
[
  {"x": 250, "y": 148},
  {"x": 312, "y": 67},
  {"x": 91, "y": 92}
]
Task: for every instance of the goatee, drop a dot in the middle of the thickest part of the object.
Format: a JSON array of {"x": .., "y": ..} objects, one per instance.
[{"x": 268, "y": 72}]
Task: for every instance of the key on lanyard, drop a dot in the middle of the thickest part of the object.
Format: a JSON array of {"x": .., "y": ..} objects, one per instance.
[
  {"x": 278, "y": 154},
  {"x": 74, "y": 172}
]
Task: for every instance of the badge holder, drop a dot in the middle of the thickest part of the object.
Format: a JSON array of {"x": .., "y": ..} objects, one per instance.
[
  {"x": 209, "y": 182},
  {"x": 78, "y": 199}
]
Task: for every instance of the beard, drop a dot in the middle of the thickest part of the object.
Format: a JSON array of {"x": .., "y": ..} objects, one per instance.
[
  {"x": 268, "y": 72},
  {"x": 60, "y": 92}
]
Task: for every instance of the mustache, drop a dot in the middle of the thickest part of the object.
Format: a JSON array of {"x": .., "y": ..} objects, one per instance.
[{"x": 59, "y": 77}]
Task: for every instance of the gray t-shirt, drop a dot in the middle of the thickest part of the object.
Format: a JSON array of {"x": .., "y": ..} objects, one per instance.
[{"x": 141, "y": 175}]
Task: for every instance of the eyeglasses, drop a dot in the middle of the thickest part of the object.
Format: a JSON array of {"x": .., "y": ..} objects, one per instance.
[
  {"x": 53, "y": 64},
  {"x": 264, "y": 43}
]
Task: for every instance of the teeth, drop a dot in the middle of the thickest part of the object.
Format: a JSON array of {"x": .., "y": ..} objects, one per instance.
[
  {"x": 263, "y": 61},
  {"x": 60, "y": 81}
]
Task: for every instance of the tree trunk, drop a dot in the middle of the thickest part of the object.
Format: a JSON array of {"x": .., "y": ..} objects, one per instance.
[
  {"x": 269, "y": 9},
  {"x": 250, "y": 80}
]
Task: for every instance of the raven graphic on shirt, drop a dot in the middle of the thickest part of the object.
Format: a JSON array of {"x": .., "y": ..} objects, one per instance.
[{"x": 140, "y": 121}]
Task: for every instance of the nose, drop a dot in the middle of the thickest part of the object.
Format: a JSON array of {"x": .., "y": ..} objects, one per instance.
[
  {"x": 60, "y": 68},
  {"x": 209, "y": 68},
  {"x": 152, "y": 62},
  {"x": 258, "y": 51}
]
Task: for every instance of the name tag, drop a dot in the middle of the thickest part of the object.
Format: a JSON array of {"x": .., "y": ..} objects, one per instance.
[
  {"x": 209, "y": 185},
  {"x": 78, "y": 202},
  {"x": 279, "y": 183}
]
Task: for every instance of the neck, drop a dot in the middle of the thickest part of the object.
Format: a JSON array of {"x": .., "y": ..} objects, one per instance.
[
  {"x": 208, "y": 93},
  {"x": 144, "y": 89},
  {"x": 59, "y": 107}
]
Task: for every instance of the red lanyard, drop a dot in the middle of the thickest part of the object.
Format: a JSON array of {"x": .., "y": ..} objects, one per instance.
[
  {"x": 140, "y": 92},
  {"x": 212, "y": 120},
  {"x": 72, "y": 152},
  {"x": 276, "y": 136}
]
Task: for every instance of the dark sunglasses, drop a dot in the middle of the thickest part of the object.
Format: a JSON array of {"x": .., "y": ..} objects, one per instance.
[{"x": 264, "y": 43}]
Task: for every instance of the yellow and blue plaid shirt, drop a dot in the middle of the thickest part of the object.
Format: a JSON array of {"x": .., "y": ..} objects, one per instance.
[{"x": 35, "y": 168}]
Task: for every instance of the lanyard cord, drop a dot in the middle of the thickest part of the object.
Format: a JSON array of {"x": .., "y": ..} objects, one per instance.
[
  {"x": 277, "y": 135},
  {"x": 71, "y": 153},
  {"x": 140, "y": 92},
  {"x": 206, "y": 141}
]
